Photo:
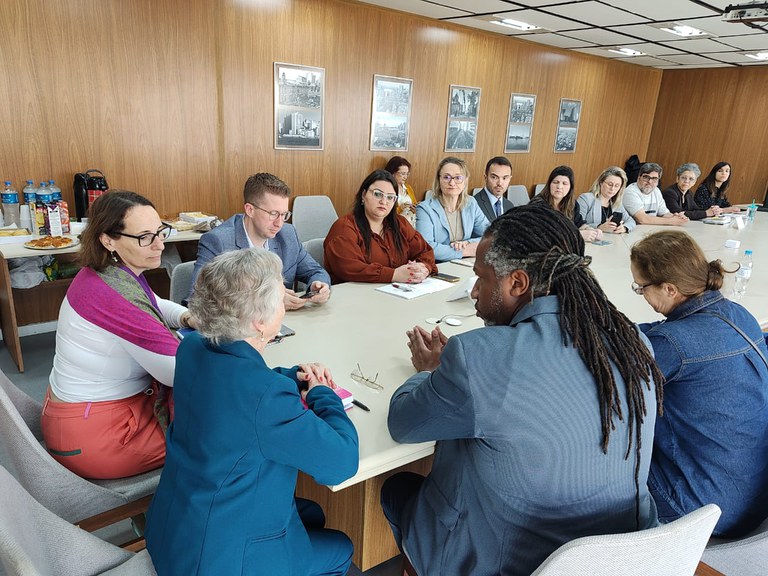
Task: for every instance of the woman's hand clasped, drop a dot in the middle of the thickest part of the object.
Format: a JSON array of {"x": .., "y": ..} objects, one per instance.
[
  {"x": 314, "y": 374},
  {"x": 411, "y": 273}
]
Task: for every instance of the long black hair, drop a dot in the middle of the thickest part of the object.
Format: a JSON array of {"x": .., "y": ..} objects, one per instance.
[
  {"x": 548, "y": 247},
  {"x": 390, "y": 221},
  {"x": 569, "y": 200},
  {"x": 709, "y": 181}
]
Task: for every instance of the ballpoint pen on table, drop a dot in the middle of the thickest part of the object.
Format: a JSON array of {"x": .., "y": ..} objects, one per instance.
[
  {"x": 402, "y": 287},
  {"x": 361, "y": 405}
]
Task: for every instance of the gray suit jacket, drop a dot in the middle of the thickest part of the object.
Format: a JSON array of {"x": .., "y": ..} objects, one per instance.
[
  {"x": 230, "y": 235},
  {"x": 518, "y": 468},
  {"x": 488, "y": 209}
]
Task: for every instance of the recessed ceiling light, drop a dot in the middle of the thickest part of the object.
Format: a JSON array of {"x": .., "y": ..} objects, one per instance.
[
  {"x": 757, "y": 55},
  {"x": 516, "y": 25},
  {"x": 680, "y": 29},
  {"x": 626, "y": 51}
]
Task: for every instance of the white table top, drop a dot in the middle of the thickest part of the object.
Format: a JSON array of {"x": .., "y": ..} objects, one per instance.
[{"x": 361, "y": 325}]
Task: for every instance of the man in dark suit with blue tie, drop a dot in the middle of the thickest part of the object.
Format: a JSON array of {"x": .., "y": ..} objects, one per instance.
[{"x": 492, "y": 198}]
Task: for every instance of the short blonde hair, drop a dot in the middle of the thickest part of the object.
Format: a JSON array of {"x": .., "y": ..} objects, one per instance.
[
  {"x": 438, "y": 192},
  {"x": 612, "y": 171},
  {"x": 235, "y": 288}
]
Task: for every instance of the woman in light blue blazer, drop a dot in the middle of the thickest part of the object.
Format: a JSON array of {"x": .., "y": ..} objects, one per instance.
[
  {"x": 605, "y": 199},
  {"x": 451, "y": 221}
]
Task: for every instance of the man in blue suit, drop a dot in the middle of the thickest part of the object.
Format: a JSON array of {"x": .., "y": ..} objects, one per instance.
[
  {"x": 492, "y": 199},
  {"x": 538, "y": 431},
  {"x": 263, "y": 225}
]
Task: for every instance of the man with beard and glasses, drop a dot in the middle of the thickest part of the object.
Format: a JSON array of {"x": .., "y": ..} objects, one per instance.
[
  {"x": 645, "y": 203},
  {"x": 543, "y": 419}
]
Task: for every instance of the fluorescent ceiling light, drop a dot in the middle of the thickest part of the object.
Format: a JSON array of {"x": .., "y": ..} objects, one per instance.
[
  {"x": 680, "y": 29},
  {"x": 516, "y": 25},
  {"x": 758, "y": 56},
  {"x": 626, "y": 51}
]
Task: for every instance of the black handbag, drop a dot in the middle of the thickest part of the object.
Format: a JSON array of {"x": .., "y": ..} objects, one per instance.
[{"x": 87, "y": 187}]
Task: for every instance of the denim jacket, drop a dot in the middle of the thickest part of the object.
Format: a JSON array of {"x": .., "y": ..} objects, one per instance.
[{"x": 711, "y": 444}]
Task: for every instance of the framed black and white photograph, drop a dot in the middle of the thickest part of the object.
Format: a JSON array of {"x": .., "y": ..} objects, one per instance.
[
  {"x": 522, "y": 108},
  {"x": 567, "y": 125},
  {"x": 463, "y": 112},
  {"x": 390, "y": 113},
  {"x": 299, "y": 101}
]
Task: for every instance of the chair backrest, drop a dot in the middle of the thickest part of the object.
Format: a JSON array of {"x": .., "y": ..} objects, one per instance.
[
  {"x": 181, "y": 281},
  {"x": 518, "y": 195},
  {"x": 313, "y": 216},
  {"x": 672, "y": 549},
  {"x": 538, "y": 188},
  {"x": 315, "y": 249},
  {"x": 747, "y": 556},
  {"x": 33, "y": 540},
  {"x": 475, "y": 191},
  {"x": 64, "y": 493}
]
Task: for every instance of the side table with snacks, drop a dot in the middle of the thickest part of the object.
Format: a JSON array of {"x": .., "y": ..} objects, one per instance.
[{"x": 22, "y": 307}]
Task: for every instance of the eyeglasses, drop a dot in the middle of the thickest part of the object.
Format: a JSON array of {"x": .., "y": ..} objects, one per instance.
[
  {"x": 145, "y": 240},
  {"x": 274, "y": 214},
  {"x": 650, "y": 178},
  {"x": 446, "y": 178},
  {"x": 688, "y": 178},
  {"x": 358, "y": 376},
  {"x": 640, "y": 289},
  {"x": 403, "y": 174},
  {"x": 379, "y": 195}
]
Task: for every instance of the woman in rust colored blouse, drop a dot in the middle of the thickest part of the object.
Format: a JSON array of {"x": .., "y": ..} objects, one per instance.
[{"x": 373, "y": 243}]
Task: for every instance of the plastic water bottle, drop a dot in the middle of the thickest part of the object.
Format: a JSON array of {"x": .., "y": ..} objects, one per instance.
[
  {"x": 743, "y": 274},
  {"x": 54, "y": 190},
  {"x": 10, "y": 199},
  {"x": 30, "y": 193}
]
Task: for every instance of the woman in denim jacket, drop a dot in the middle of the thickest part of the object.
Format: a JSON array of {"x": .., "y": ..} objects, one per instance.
[{"x": 711, "y": 444}]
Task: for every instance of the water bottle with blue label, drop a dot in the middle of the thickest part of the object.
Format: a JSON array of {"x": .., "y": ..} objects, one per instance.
[
  {"x": 743, "y": 274},
  {"x": 30, "y": 193},
  {"x": 10, "y": 199},
  {"x": 55, "y": 190}
]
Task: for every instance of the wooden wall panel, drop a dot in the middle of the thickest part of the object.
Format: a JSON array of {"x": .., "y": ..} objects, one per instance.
[
  {"x": 174, "y": 98},
  {"x": 706, "y": 116}
]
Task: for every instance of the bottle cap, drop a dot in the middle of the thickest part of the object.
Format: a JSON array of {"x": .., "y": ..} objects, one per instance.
[{"x": 748, "y": 252}]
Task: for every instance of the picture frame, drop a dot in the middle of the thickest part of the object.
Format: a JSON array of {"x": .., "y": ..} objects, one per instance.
[
  {"x": 463, "y": 115},
  {"x": 522, "y": 111},
  {"x": 391, "y": 113},
  {"x": 568, "y": 119},
  {"x": 299, "y": 106}
]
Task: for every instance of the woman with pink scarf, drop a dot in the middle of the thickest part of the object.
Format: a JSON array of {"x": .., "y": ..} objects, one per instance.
[{"x": 105, "y": 410}]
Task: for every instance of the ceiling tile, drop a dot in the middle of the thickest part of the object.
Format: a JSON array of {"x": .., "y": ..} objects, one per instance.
[
  {"x": 597, "y": 14},
  {"x": 754, "y": 63},
  {"x": 475, "y": 6},
  {"x": 644, "y": 32},
  {"x": 689, "y": 59},
  {"x": 421, "y": 8},
  {"x": 694, "y": 66},
  {"x": 481, "y": 24},
  {"x": 717, "y": 27},
  {"x": 734, "y": 57},
  {"x": 543, "y": 2},
  {"x": 556, "y": 40},
  {"x": 655, "y": 49},
  {"x": 662, "y": 10},
  {"x": 543, "y": 19},
  {"x": 645, "y": 61},
  {"x": 599, "y": 36},
  {"x": 753, "y": 42},
  {"x": 697, "y": 45},
  {"x": 600, "y": 52}
]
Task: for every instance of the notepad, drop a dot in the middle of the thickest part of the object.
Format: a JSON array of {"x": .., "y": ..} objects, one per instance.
[
  {"x": 718, "y": 220},
  {"x": 410, "y": 291}
]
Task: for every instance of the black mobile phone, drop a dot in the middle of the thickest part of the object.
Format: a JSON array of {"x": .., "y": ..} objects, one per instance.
[
  {"x": 617, "y": 218},
  {"x": 310, "y": 293},
  {"x": 446, "y": 277}
]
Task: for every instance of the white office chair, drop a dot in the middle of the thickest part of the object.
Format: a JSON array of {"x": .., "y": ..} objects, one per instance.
[
  {"x": 181, "y": 281},
  {"x": 313, "y": 216},
  {"x": 538, "y": 188},
  {"x": 61, "y": 491},
  {"x": 475, "y": 191},
  {"x": 518, "y": 195},
  {"x": 34, "y": 541},
  {"x": 672, "y": 549},
  {"x": 315, "y": 249},
  {"x": 747, "y": 556}
]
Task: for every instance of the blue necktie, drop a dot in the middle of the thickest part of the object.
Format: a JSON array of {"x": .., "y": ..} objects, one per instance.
[{"x": 498, "y": 207}]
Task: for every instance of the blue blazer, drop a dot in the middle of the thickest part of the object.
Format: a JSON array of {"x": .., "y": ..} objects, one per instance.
[
  {"x": 432, "y": 223},
  {"x": 230, "y": 235},
  {"x": 225, "y": 502},
  {"x": 518, "y": 468}
]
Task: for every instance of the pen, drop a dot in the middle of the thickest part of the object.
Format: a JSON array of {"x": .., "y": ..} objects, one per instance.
[
  {"x": 361, "y": 405},
  {"x": 403, "y": 288}
]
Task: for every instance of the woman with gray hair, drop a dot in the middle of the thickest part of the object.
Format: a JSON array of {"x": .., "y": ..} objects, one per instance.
[
  {"x": 602, "y": 207},
  {"x": 679, "y": 196},
  {"x": 241, "y": 433}
]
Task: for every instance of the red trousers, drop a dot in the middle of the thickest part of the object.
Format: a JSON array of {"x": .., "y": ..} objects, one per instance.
[{"x": 110, "y": 439}]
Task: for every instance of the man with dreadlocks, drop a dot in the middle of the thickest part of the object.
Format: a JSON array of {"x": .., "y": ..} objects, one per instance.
[{"x": 543, "y": 419}]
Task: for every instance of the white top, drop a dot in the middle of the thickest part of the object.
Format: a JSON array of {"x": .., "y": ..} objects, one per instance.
[
  {"x": 652, "y": 203},
  {"x": 94, "y": 365}
]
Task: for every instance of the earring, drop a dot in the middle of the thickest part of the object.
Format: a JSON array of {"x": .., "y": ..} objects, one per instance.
[
  {"x": 114, "y": 256},
  {"x": 262, "y": 336}
]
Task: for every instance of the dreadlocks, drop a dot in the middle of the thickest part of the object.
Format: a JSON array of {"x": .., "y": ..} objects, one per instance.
[{"x": 548, "y": 247}]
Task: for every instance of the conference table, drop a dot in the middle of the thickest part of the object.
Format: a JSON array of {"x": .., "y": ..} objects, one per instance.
[{"x": 360, "y": 326}]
